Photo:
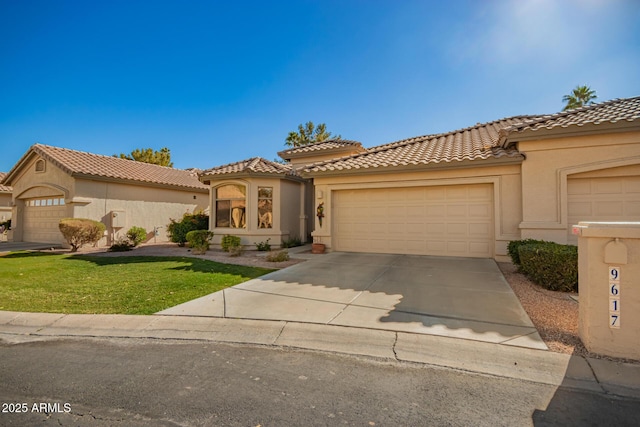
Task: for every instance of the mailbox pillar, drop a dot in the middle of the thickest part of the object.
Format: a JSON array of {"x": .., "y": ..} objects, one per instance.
[{"x": 609, "y": 287}]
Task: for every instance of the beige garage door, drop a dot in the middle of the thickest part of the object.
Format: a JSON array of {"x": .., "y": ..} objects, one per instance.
[
  {"x": 40, "y": 220},
  {"x": 452, "y": 220},
  {"x": 602, "y": 199}
]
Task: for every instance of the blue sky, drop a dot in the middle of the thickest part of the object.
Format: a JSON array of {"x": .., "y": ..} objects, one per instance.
[{"x": 217, "y": 82}]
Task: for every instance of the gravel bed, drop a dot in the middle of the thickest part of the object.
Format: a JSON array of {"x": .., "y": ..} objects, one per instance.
[
  {"x": 248, "y": 258},
  {"x": 554, "y": 314}
]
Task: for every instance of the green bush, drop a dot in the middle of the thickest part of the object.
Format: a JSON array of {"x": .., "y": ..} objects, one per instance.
[
  {"x": 278, "y": 256},
  {"x": 121, "y": 245},
  {"x": 264, "y": 246},
  {"x": 550, "y": 265},
  {"x": 512, "y": 248},
  {"x": 199, "y": 240},
  {"x": 81, "y": 231},
  {"x": 236, "y": 250},
  {"x": 228, "y": 241},
  {"x": 291, "y": 243},
  {"x": 137, "y": 235},
  {"x": 177, "y": 230}
]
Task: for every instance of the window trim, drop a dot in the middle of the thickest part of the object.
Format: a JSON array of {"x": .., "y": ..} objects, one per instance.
[{"x": 243, "y": 218}]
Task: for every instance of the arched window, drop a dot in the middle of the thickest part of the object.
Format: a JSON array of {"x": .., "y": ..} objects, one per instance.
[
  {"x": 231, "y": 204},
  {"x": 40, "y": 165}
]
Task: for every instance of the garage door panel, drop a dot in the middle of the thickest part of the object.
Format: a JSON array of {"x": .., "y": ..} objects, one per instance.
[
  {"x": 443, "y": 220},
  {"x": 615, "y": 198},
  {"x": 633, "y": 208},
  {"x": 607, "y": 186}
]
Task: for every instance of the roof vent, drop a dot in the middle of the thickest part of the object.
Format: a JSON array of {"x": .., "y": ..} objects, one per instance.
[{"x": 40, "y": 165}]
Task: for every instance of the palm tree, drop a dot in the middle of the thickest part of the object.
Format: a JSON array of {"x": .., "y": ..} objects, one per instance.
[
  {"x": 579, "y": 97},
  {"x": 308, "y": 134}
]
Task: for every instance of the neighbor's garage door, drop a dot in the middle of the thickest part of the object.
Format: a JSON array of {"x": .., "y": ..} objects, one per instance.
[
  {"x": 603, "y": 199},
  {"x": 40, "y": 220},
  {"x": 452, "y": 220}
]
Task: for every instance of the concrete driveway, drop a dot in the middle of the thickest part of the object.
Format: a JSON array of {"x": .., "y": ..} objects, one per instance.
[{"x": 456, "y": 297}]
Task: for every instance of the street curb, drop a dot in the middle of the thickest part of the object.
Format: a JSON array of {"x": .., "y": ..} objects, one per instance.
[{"x": 539, "y": 366}]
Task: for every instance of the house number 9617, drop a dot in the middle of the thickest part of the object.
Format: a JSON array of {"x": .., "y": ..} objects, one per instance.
[{"x": 614, "y": 297}]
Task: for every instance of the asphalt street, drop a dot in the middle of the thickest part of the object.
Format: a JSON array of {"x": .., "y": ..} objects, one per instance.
[{"x": 142, "y": 382}]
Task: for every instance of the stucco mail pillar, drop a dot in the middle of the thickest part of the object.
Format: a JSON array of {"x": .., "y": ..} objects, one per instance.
[{"x": 609, "y": 286}]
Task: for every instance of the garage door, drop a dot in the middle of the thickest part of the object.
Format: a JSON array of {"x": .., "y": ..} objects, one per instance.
[
  {"x": 444, "y": 220},
  {"x": 40, "y": 220},
  {"x": 602, "y": 199}
]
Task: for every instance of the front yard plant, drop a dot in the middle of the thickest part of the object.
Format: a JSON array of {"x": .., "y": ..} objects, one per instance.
[
  {"x": 199, "y": 240},
  {"x": 228, "y": 241},
  {"x": 83, "y": 284},
  {"x": 177, "y": 230},
  {"x": 81, "y": 231},
  {"x": 137, "y": 235},
  {"x": 548, "y": 264}
]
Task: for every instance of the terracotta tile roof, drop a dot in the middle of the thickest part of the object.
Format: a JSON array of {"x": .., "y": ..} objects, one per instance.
[
  {"x": 254, "y": 165},
  {"x": 614, "y": 111},
  {"x": 83, "y": 164},
  {"x": 4, "y": 188},
  {"x": 331, "y": 144},
  {"x": 472, "y": 143}
]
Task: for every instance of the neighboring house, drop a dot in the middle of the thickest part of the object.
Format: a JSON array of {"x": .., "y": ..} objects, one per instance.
[
  {"x": 257, "y": 199},
  {"x": 5, "y": 200},
  {"x": 51, "y": 183},
  {"x": 5, "y": 207},
  {"x": 462, "y": 193}
]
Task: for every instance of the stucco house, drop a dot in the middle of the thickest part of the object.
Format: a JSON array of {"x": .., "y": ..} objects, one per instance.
[
  {"x": 51, "y": 183},
  {"x": 464, "y": 193},
  {"x": 5, "y": 206}
]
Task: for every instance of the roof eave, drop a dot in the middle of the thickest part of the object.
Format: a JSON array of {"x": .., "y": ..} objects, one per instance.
[
  {"x": 245, "y": 174},
  {"x": 568, "y": 131},
  {"x": 141, "y": 183},
  {"x": 463, "y": 164}
]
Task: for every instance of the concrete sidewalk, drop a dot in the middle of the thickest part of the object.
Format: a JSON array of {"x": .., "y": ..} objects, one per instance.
[{"x": 622, "y": 379}]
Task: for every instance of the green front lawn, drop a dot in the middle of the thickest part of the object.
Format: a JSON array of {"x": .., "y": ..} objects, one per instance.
[{"x": 53, "y": 283}]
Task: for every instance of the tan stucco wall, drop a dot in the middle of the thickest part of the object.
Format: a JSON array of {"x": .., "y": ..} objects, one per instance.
[
  {"x": 142, "y": 206},
  {"x": 286, "y": 205},
  {"x": 550, "y": 162},
  {"x": 504, "y": 178}
]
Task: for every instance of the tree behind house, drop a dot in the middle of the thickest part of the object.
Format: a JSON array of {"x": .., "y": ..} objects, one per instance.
[
  {"x": 309, "y": 134},
  {"x": 148, "y": 155},
  {"x": 579, "y": 97}
]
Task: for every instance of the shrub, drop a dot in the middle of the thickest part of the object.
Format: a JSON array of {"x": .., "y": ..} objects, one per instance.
[
  {"x": 228, "y": 241},
  {"x": 264, "y": 246},
  {"x": 80, "y": 231},
  {"x": 512, "y": 248},
  {"x": 278, "y": 256},
  {"x": 121, "y": 245},
  {"x": 137, "y": 235},
  {"x": 177, "y": 230},
  {"x": 199, "y": 240},
  {"x": 291, "y": 242},
  {"x": 236, "y": 250},
  {"x": 550, "y": 265}
]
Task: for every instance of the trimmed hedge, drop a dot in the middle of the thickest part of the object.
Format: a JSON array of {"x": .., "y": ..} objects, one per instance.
[
  {"x": 199, "y": 240},
  {"x": 229, "y": 241},
  {"x": 514, "y": 245},
  {"x": 550, "y": 265},
  {"x": 80, "y": 231}
]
